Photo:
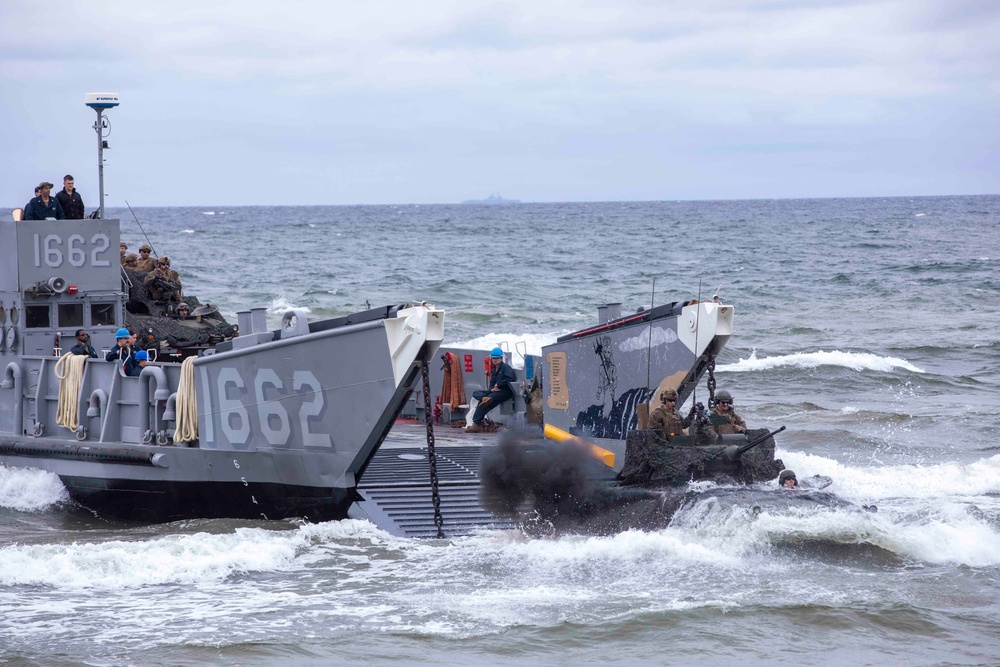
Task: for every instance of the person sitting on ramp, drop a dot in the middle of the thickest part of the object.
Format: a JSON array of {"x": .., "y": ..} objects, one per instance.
[{"x": 501, "y": 375}]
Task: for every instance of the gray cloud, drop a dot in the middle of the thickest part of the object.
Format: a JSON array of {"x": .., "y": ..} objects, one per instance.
[{"x": 364, "y": 102}]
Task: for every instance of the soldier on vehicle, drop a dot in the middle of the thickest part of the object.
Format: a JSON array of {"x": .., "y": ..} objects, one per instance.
[
  {"x": 131, "y": 261},
  {"x": 183, "y": 310},
  {"x": 122, "y": 248},
  {"x": 724, "y": 409},
  {"x": 146, "y": 263},
  {"x": 163, "y": 284},
  {"x": 665, "y": 419}
]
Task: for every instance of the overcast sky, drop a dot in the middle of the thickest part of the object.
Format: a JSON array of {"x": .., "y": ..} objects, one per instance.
[{"x": 279, "y": 102}]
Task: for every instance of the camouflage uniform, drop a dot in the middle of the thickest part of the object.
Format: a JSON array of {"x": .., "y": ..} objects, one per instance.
[
  {"x": 733, "y": 420},
  {"x": 159, "y": 293},
  {"x": 668, "y": 421},
  {"x": 148, "y": 264}
]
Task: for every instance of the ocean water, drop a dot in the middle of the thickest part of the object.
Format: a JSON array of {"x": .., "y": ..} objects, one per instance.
[{"x": 869, "y": 327}]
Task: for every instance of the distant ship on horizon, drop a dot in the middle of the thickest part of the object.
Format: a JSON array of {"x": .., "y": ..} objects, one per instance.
[{"x": 493, "y": 200}]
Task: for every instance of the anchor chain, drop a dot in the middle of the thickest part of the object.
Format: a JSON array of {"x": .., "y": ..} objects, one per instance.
[
  {"x": 711, "y": 382},
  {"x": 431, "y": 456}
]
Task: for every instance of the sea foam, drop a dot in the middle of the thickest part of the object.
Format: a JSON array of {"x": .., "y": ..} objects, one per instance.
[
  {"x": 29, "y": 489},
  {"x": 858, "y": 361}
]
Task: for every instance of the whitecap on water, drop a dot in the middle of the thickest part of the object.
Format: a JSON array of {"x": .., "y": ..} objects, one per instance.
[
  {"x": 29, "y": 489},
  {"x": 854, "y": 360}
]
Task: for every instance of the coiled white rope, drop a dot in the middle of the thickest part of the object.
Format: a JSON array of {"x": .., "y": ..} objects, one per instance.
[
  {"x": 187, "y": 405},
  {"x": 69, "y": 370}
]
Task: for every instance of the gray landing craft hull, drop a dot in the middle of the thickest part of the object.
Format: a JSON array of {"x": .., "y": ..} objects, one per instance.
[{"x": 285, "y": 427}]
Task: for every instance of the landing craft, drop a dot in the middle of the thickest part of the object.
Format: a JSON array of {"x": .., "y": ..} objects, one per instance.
[
  {"x": 288, "y": 422},
  {"x": 272, "y": 424}
]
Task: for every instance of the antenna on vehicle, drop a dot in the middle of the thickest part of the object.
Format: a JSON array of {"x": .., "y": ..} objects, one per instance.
[
  {"x": 649, "y": 342},
  {"x": 100, "y": 102},
  {"x": 141, "y": 229}
]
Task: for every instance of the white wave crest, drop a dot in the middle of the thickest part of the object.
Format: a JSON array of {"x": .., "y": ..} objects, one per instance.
[
  {"x": 280, "y": 304},
  {"x": 187, "y": 231},
  {"x": 184, "y": 558},
  {"x": 858, "y": 361},
  {"x": 30, "y": 489},
  {"x": 941, "y": 480}
]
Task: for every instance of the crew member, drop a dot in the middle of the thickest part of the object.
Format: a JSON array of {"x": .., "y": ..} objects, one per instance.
[
  {"x": 83, "y": 346},
  {"x": 787, "y": 480},
  {"x": 501, "y": 375},
  {"x": 70, "y": 200},
  {"x": 146, "y": 263},
  {"x": 123, "y": 346},
  {"x": 665, "y": 419},
  {"x": 43, "y": 206},
  {"x": 724, "y": 408},
  {"x": 131, "y": 261},
  {"x": 163, "y": 284},
  {"x": 183, "y": 310},
  {"x": 122, "y": 248},
  {"x": 134, "y": 366}
]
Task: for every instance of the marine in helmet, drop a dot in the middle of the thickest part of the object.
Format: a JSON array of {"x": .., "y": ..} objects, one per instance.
[
  {"x": 724, "y": 409},
  {"x": 665, "y": 419},
  {"x": 163, "y": 284},
  {"x": 787, "y": 479},
  {"x": 183, "y": 310},
  {"x": 146, "y": 263},
  {"x": 501, "y": 375},
  {"x": 122, "y": 248},
  {"x": 131, "y": 261}
]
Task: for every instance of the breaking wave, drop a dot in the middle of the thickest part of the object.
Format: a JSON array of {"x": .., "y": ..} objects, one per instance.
[
  {"x": 30, "y": 489},
  {"x": 858, "y": 361}
]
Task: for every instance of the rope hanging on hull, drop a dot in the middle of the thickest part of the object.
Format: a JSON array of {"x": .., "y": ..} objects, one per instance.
[
  {"x": 69, "y": 370},
  {"x": 431, "y": 456},
  {"x": 187, "y": 404}
]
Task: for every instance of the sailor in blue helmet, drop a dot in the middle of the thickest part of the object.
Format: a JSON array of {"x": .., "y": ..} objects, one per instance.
[
  {"x": 123, "y": 347},
  {"x": 501, "y": 375},
  {"x": 134, "y": 366}
]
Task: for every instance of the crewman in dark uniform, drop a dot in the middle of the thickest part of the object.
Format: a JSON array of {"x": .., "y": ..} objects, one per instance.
[
  {"x": 70, "y": 200},
  {"x": 665, "y": 419},
  {"x": 501, "y": 375},
  {"x": 83, "y": 346}
]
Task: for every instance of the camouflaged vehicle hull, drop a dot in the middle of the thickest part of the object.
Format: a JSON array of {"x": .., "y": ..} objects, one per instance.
[{"x": 287, "y": 419}]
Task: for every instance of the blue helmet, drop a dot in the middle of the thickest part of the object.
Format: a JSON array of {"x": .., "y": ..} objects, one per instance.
[
  {"x": 141, "y": 355},
  {"x": 497, "y": 353},
  {"x": 122, "y": 333}
]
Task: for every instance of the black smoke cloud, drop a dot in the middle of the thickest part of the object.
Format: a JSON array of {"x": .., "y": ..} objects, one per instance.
[{"x": 554, "y": 483}]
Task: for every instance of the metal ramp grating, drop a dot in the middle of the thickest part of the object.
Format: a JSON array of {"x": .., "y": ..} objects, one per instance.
[{"x": 396, "y": 493}]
